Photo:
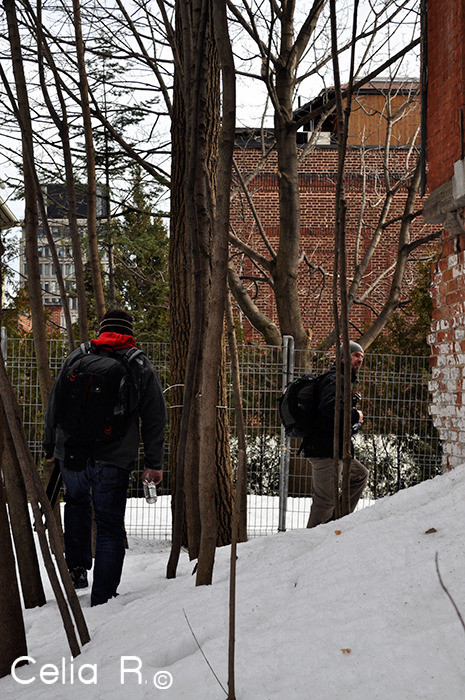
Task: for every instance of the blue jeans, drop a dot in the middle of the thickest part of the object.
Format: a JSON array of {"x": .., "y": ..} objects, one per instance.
[{"x": 105, "y": 487}]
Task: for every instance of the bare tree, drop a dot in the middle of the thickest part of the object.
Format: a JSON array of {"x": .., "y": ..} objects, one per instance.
[
  {"x": 31, "y": 196},
  {"x": 62, "y": 124},
  {"x": 12, "y": 632},
  {"x": 44, "y": 520},
  {"x": 340, "y": 267},
  {"x": 283, "y": 47},
  {"x": 202, "y": 483},
  {"x": 18, "y": 508},
  {"x": 217, "y": 299},
  {"x": 90, "y": 163}
]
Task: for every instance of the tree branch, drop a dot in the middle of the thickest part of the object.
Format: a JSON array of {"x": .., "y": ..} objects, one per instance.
[
  {"x": 256, "y": 318},
  {"x": 250, "y": 252},
  {"x": 254, "y": 211}
]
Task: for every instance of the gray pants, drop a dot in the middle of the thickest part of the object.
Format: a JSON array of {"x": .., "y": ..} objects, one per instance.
[{"x": 323, "y": 498}]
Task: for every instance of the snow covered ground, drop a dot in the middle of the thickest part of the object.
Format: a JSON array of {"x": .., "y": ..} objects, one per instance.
[{"x": 349, "y": 610}]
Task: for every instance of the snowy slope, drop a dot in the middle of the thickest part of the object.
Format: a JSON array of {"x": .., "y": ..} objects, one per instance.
[{"x": 320, "y": 615}]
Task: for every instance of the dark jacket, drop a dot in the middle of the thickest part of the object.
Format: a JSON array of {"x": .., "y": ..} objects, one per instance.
[
  {"x": 147, "y": 404},
  {"x": 320, "y": 441}
]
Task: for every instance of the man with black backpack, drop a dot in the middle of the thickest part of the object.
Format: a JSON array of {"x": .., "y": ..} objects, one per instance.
[
  {"x": 318, "y": 445},
  {"x": 92, "y": 431}
]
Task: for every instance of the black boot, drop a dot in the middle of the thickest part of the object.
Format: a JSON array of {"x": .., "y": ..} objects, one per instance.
[{"x": 79, "y": 577}]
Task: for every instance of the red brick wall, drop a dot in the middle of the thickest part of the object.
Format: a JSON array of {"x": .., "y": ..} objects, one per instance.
[
  {"x": 447, "y": 340},
  {"x": 445, "y": 138},
  {"x": 445, "y": 90},
  {"x": 53, "y": 323},
  {"x": 316, "y": 181}
]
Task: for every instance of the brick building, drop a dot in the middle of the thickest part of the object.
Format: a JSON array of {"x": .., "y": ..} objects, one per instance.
[
  {"x": 365, "y": 189},
  {"x": 445, "y": 150}
]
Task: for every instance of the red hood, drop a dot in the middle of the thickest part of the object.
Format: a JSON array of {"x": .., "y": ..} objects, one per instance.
[{"x": 114, "y": 341}]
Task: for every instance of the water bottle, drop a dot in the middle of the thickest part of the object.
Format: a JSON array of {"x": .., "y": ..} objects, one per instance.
[{"x": 150, "y": 491}]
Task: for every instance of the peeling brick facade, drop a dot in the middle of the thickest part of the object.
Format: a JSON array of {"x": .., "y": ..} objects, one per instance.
[{"x": 445, "y": 151}]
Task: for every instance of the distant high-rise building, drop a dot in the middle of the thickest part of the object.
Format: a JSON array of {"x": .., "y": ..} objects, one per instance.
[{"x": 57, "y": 213}]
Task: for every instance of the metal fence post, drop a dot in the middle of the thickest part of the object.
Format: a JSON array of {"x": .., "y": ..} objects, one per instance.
[
  {"x": 288, "y": 376},
  {"x": 4, "y": 343}
]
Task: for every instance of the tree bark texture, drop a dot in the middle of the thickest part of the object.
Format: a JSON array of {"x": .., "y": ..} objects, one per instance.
[
  {"x": 31, "y": 196},
  {"x": 340, "y": 248},
  {"x": 240, "y": 498},
  {"x": 62, "y": 124},
  {"x": 195, "y": 136},
  {"x": 43, "y": 520},
  {"x": 185, "y": 327},
  {"x": 26, "y": 555},
  {"x": 12, "y": 632},
  {"x": 90, "y": 164},
  {"x": 217, "y": 300}
]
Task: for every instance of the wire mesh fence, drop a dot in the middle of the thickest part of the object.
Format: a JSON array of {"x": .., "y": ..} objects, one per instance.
[{"x": 398, "y": 444}]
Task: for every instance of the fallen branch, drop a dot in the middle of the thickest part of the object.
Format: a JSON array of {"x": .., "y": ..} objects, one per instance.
[
  {"x": 459, "y": 615},
  {"x": 203, "y": 654}
]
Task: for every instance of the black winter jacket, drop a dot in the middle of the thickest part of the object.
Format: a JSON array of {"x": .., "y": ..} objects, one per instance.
[
  {"x": 320, "y": 441},
  {"x": 148, "y": 404}
]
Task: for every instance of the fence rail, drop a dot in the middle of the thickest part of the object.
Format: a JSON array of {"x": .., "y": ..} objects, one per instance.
[{"x": 398, "y": 444}]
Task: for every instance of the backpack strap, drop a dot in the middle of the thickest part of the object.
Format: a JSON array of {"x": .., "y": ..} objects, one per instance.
[
  {"x": 132, "y": 353},
  {"x": 126, "y": 359}
]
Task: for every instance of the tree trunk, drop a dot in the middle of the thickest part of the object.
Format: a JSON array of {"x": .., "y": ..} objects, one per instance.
[
  {"x": 195, "y": 134},
  {"x": 240, "y": 497},
  {"x": 12, "y": 633},
  {"x": 62, "y": 125},
  {"x": 90, "y": 163},
  {"x": 285, "y": 275},
  {"x": 223, "y": 470},
  {"x": 31, "y": 195},
  {"x": 184, "y": 352},
  {"x": 26, "y": 555},
  {"x": 178, "y": 281},
  {"x": 43, "y": 520},
  {"x": 217, "y": 300},
  {"x": 340, "y": 247}
]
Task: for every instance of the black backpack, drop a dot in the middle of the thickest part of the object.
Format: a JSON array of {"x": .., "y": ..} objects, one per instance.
[
  {"x": 95, "y": 401},
  {"x": 298, "y": 405}
]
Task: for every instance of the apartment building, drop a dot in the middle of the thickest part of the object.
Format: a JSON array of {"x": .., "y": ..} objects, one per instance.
[{"x": 57, "y": 214}]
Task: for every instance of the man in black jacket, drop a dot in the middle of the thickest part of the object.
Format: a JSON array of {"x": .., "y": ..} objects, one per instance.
[
  {"x": 101, "y": 480},
  {"x": 319, "y": 446}
]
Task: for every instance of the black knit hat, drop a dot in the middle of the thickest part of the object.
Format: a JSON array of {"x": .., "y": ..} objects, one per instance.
[{"x": 117, "y": 321}]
